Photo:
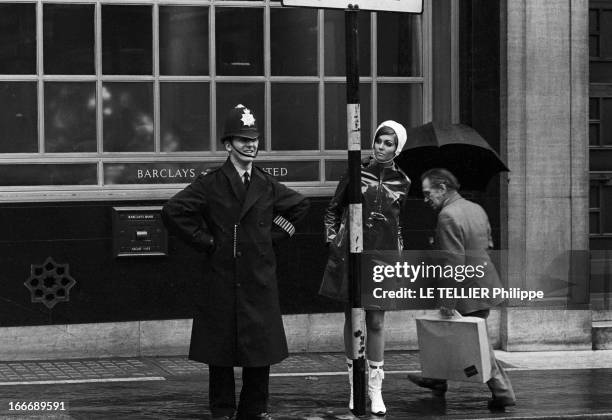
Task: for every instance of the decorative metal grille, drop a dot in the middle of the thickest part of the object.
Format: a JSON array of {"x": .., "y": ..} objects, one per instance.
[{"x": 49, "y": 283}]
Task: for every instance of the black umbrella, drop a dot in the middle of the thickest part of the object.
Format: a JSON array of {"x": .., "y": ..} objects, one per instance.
[{"x": 456, "y": 147}]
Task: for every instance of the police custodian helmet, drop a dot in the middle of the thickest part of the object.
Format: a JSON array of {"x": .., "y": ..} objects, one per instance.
[{"x": 240, "y": 122}]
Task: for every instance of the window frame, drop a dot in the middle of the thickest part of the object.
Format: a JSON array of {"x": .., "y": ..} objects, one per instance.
[
  {"x": 103, "y": 192},
  {"x": 598, "y": 91}
]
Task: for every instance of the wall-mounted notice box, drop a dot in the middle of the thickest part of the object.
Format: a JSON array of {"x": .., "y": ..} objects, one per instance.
[{"x": 139, "y": 231}]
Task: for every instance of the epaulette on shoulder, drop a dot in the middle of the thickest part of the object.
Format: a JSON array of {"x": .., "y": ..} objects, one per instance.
[
  {"x": 202, "y": 176},
  {"x": 209, "y": 171}
]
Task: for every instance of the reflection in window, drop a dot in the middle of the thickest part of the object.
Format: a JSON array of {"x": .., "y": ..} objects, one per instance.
[
  {"x": 594, "y": 108},
  {"x": 18, "y": 38},
  {"x": 295, "y": 115},
  {"x": 183, "y": 40},
  {"x": 593, "y": 45},
  {"x": 606, "y": 206},
  {"x": 335, "y": 116},
  {"x": 184, "y": 117},
  {"x": 335, "y": 169},
  {"x": 70, "y": 117},
  {"x": 606, "y": 122},
  {"x": 126, "y": 39},
  {"x": 594, "y": 134},
  {"x": 606, "y": 34},
  {"x": 335, "y": 57},
  {"x": 48, "y": 174},
  {"x": 250, "y": 95},
  {"x": 600, "y": 72},
  {"x": 401, "y": 102},
  {"x": 68, "y": 39},
  {"x": 599, "y": 159},
  {"x": 293, "y": 41},
  {"x": 594, "y": 222},
  {"x": 593, "y": 20},
  {"x": 399, "y": 44},
  {"x": 594, "y": 195},
  {"x": 239, "y": 41},
  {"x": 18, "y": 117},
  {"x": 128, "y": 117}
]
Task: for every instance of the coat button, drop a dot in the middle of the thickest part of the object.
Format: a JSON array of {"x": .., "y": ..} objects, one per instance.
[{"x": 239, "y": 254}]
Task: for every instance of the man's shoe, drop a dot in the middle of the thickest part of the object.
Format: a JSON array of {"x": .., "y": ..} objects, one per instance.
[
  {"x": 223, "y": 418},
  {"x": 500, "y": 404},
  {"x": 438, "y": 386}
]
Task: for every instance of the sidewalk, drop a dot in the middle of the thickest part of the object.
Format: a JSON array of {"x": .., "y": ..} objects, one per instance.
[{"x": 576, "y": 384}]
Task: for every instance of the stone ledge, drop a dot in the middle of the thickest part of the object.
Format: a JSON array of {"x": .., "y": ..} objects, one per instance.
[
  {"x": 526, "y": 329},
  {"x": 305, "y": 333}
]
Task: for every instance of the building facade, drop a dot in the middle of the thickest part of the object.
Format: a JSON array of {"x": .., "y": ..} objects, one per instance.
[{"x": 107, "y": 108}]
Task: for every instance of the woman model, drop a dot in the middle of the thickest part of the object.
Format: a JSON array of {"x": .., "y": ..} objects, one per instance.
[{"x": 384, "y": 188}]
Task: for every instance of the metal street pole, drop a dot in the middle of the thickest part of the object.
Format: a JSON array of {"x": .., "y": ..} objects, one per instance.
[{"x": 355, "y": 210}]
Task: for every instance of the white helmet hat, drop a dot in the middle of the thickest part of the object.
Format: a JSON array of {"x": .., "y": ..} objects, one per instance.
[{"x": 400, "y": 132}]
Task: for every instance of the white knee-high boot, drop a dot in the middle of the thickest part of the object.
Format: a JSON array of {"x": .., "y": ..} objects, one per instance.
[
  {"x": 375, "y": 379},
  {"x": 349, "y": 364}
]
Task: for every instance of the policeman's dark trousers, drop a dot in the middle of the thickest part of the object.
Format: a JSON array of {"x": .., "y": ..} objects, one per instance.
[
  {"x": 253, "y": 396},
  {"x": 499, "y": 384}
]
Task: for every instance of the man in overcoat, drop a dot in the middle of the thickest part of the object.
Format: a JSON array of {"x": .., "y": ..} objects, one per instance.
[
  {"x": 234, "y": 214},
  {"x": 463, "y": 237}
]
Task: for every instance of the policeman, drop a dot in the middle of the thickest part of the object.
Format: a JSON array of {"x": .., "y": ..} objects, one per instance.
[{"x": 235, "y": 214}]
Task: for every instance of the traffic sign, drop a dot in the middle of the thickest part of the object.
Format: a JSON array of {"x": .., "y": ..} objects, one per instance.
[{"x": 407, "y": 6}]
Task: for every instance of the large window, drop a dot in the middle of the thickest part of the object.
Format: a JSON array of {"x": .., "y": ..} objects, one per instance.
[
  {"x": 128, "y": 99},
  {"x": 600, "y": 124}
]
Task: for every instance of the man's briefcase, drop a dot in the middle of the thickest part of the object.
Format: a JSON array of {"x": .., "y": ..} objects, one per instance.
[{"x": 456, "y": 349}]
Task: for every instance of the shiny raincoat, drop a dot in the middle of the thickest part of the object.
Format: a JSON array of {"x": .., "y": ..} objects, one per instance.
[{"x": 383, "y": 191}]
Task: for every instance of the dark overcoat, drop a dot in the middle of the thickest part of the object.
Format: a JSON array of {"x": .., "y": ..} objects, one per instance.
[{"x": 238, "y": 320}]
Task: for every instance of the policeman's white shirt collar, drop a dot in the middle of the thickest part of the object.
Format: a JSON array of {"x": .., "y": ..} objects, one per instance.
[{"x": 242, "y": 171}]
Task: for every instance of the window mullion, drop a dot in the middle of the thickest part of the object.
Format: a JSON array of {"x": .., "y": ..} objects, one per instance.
[
  {"x": 39, "y": 72},
  {"x": 268, "y": 84},
  {"x": 99, "y": 86},
  {"x": 374, "y": 69},
  {"x": 427, "y": 62},
  {"x": 156, "y": 86},
  {"x": 321, "y": 71},
  {"x": 212, "y": 68},
  {"x": 600, "y": 201},
  {"x": 599, "y": 124}
]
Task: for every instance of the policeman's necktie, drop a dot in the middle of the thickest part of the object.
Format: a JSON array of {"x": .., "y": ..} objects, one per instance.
[{"x": 246, "y": 180}]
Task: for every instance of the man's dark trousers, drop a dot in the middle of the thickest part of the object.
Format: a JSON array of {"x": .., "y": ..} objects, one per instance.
[
  {"x": 253, "y": 396},
  {"x": 499, "y": 384}
]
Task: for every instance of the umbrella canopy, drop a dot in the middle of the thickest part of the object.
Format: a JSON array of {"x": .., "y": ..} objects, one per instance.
[{"x": 456, "y": 147}]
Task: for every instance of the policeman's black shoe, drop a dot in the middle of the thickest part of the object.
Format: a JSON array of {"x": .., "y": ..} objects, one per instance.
[
  {"x": 223, "y": 418},
  {"x": 500, "y": 404},
  {"x": 260, "y": 416},
  {"x": 438, "y": 386}
]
